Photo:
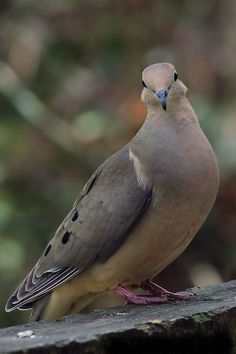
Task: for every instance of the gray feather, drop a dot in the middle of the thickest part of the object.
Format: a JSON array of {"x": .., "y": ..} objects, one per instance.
[{"x": 107, "y": 208}]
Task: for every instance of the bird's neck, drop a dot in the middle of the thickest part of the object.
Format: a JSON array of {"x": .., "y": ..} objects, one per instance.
[
  {"x": 161, "y": 127},
  {"x": 160, "y": 140},
  {"x": 179, "y": 111}
]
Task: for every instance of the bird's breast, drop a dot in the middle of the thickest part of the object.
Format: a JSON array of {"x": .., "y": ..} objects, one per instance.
[{"x": 182, "y": 168}]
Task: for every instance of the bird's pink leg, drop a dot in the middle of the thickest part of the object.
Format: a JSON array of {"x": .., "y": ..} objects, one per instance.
[
  {"x": 139, "y": 299},
  {"x": 158, "y": 290}
]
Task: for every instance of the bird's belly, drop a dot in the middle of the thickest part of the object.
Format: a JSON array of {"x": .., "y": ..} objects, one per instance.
[
  {"x": 158, "y": 245},
  {"x": 149, "y": 248},
  {"x": 157, "y": 249},
  {"x": 177, "y": 211}
]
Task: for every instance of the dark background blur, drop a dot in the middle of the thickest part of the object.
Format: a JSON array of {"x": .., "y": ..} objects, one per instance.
[{"x": 70, "y": 83}]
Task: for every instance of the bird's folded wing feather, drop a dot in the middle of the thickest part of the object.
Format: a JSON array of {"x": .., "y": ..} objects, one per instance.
[{"x": 109, "y": 205}]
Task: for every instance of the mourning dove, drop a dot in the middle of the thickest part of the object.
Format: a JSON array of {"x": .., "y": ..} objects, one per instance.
[{"x": 137, "y": 213}]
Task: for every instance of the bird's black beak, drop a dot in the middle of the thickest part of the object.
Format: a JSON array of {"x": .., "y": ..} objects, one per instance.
[{"x": 162, "y": 96}]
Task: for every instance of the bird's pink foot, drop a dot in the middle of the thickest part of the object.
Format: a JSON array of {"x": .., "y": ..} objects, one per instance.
[
  {"x": 159, "y": 291},
  {"x": 139, "y": 299}
]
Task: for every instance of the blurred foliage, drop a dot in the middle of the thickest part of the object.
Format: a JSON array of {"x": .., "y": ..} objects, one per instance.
[{"x": 70, "y": 96}]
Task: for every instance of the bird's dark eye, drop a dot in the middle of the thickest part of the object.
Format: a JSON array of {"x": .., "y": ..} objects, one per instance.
[
  {"x": 144, "y": 84},
  {"x": 175, "y": 76}
]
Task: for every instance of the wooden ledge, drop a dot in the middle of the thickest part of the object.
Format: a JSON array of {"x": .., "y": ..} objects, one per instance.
[{"x": 206, "y": 323}]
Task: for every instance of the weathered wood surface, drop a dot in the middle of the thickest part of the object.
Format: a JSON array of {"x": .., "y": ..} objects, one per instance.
[{"x": 206, "y": 323}]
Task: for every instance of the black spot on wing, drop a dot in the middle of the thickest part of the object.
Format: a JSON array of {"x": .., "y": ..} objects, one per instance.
[
  {"x": 66, "y": 237},
  {"x": 75, "y": 216},
  {"x": 47, "y": 250}
]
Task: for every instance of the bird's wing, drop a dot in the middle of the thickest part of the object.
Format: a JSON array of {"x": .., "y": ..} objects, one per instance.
[{"x": 110, "y": 204}]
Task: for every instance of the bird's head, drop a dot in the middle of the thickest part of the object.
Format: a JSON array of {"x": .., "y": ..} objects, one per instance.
[{"x": 161, "y": 85}]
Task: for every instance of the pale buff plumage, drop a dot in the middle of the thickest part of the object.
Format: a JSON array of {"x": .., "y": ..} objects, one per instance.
[{"x": 137, "y": 213}]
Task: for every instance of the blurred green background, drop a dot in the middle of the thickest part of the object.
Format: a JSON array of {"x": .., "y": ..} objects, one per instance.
[{"x": 70, "y": 96}]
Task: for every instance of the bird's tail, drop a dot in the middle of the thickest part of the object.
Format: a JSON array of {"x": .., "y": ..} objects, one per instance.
[
  {"x": 38, "y": 308},
  {"x": 69, "y": 298}
]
